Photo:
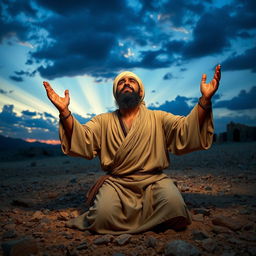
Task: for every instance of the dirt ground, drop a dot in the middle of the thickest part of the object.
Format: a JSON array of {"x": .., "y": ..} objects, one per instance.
[{"x": 39, "y": 194}]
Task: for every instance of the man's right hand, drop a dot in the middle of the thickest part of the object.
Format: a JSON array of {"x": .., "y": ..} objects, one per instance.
[{"x": 61, "y": 103}]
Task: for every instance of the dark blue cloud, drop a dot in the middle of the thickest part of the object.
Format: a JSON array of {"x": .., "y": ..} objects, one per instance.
[
  {"x": 244, "y": 100},
  {"x": 169, "y": 76},
  {"x": 83, "y": 37},
  {"x": 2, "y": 91},
  {"x": 20, "y": 126},
  {"x": 29, "y": 113},
  {"x": 178, "y": 106},
  {"x": 48, "y": 115},
  {"x": 243, "y": 61},
  {"x": 16, "y": 78}
]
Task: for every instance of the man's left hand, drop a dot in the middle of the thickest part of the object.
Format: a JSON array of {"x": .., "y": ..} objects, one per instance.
[{"x": 208, "y": 90}]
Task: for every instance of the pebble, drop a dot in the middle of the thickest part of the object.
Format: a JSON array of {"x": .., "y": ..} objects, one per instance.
[
  {"x": 180, "y": 248},
  {"x": 82, "y": 246},
  {"x": 103, "y": 239},
  {"x": 199, "y": 235},
  {"x": 38, "y": 215},
  {"x": 208, "y": 188},
  {"x": 123, "y": 239},
  {"x": 151, "y": 242}
]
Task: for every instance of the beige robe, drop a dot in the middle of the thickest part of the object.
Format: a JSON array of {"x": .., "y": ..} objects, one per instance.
[{"x": 138, "y": 195}]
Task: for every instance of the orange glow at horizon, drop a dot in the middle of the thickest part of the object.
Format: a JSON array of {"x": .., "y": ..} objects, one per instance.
[{"x": 51, "y": 142}]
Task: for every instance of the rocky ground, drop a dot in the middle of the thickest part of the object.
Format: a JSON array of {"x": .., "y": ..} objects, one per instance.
[{"x": 39, "y": 194}]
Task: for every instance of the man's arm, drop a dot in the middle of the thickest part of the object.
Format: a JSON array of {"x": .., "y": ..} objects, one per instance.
[
  {"x": 207, "y": 90},
  {"x": 61, "y": 103}
]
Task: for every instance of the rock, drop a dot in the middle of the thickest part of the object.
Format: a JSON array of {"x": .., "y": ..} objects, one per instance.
[
  {"x": 21, "y": 247},
  {"x": 220, "y": 230},
  {"x": 63, "y": 215},
  {"x": 198, "y": 217},
  {"x": 23, "y": 202},
  {"x": 38, "y": 215},
  {"x": 184, "y": 188},
  {"x": 208, "y": 188},
  {"x": 229, "y": 253},
  {"x": 74, "y": 180},
  {"x": 66, "y": 235},
  {"x": 249, "y": 226},
  {"x": 103, "y": 239},
  {"x": 203, "y": 211},
  {"x": 118, "y": 254},
  {"x": 252, "y": 251},
  {"x": 9, "y": 234},
  {"x": 82, "y": 246},
  {"x": 248, "y": 236},
  {"x": 38, "y": 234},
  {"x": 209, "y": 245},
  {"x": 151, "y": 242},
  {"x": 228, "y": 222},
  {"x": 123, "y": 239},
  {"x": 10, "y": 226},
  {"x": 199, "y": 235},
  {"x": 52, "y": 195},
  {"x": 72, "y": 252},
  {"x": 180, "y": 248}
]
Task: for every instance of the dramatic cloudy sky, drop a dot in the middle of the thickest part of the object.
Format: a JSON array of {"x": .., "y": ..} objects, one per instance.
[{"x": 81, "y": 45}]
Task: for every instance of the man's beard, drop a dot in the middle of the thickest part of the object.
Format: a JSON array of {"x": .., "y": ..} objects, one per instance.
[{"x": 128, "y": 100}]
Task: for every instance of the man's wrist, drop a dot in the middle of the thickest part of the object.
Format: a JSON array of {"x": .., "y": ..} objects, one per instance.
[
  {"x": 205, "y": 103},
  {"x": 64, "y": 114},
  {"x": 205, "y": 100}
]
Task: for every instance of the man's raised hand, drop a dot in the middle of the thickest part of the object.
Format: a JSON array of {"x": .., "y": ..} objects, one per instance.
[
  {"x": 209, "y": 89},
  {"x": 61, "y": 103}
]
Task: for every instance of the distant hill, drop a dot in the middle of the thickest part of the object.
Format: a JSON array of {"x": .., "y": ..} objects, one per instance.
[
  {"x": 7, "y": 143},
  {"x": 17, "y": 149}
]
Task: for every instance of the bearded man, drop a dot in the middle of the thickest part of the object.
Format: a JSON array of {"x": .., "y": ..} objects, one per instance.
[{"x": 133, "y": 145}]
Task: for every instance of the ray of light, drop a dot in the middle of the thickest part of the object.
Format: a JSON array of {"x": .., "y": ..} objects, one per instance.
[
  {"x": 91, "y": 94},
  {"x": 22, "y": 99}
]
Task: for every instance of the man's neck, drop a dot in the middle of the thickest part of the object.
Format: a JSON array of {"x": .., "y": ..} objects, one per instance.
[{"x": 129, "y": 113}]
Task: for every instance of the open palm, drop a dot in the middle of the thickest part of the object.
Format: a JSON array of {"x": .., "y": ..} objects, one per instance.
[
  {"x": 61, "y": 103},
  {"x": 209, "y": 89}
]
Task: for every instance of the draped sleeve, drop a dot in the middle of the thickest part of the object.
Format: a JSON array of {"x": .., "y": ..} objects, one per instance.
[
  {"x": 183, "y": 133},
  {"x": 85, "y": 139}
]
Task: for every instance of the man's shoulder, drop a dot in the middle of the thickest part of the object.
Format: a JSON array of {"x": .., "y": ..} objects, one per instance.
[
  {"x": 156, "y": 112},
  {"x": 105, "y": 116}
]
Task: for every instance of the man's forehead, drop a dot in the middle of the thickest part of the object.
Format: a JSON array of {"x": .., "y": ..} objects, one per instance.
[{"x": 127, "y": 76}]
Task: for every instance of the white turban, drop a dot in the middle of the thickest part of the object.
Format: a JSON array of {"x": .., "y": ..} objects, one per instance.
[{"x": 132, "y": 75}]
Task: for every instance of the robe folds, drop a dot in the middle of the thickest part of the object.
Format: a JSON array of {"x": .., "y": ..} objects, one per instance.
[{"x": 137, "y": 195}]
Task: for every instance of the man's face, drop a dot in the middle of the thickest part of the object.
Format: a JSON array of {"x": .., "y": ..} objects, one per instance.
[
  {"x": 128, "y": 93},
  {"x": 127, "y": 84}
]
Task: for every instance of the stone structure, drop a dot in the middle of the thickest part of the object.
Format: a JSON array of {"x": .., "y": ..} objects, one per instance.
[{"x": 239, "y": 132}]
